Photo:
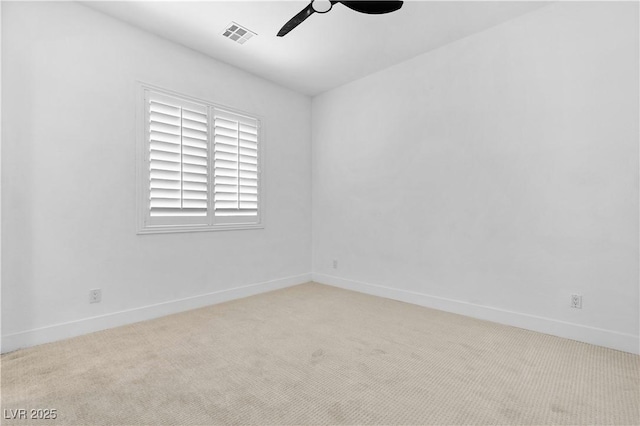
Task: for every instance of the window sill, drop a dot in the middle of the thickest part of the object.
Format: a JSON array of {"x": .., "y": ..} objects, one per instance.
[{"x": 164, "y": 229}]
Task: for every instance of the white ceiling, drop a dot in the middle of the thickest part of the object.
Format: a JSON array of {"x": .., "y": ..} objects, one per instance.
[{"x": 325, "y": 51}]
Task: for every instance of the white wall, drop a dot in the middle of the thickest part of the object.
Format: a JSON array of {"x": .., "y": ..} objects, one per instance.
[
  {"x": 68, "y": 178},
  {"x": 493, "y": 177}
]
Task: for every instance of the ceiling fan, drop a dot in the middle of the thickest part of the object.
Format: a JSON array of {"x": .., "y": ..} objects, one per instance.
[{"x": 323, "y": 6}]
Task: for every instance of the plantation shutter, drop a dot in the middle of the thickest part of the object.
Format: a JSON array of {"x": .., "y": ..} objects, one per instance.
[
  {"x": 177, "y": 154},
  {"x": 235, "y": 167}
]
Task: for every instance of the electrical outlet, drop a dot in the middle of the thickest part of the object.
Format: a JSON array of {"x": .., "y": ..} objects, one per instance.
[
  {"x": 95, "y": 296},
  {"x": 335, "y": 264},
  {"x": 576, "y": 301}
]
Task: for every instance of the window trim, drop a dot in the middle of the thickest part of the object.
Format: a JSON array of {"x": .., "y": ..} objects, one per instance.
[{"x": 142, "y": 170}]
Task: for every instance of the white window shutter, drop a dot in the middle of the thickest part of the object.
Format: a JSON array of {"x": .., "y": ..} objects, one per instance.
[
  {"x": 236, "y": 172},
  {"x": 199, "y": 165},
  {"x": 178, "y": 159}
]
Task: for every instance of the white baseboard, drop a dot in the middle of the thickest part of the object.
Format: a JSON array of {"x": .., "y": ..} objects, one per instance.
[
  {"x": 69, "y": 329},
  {"x": 596, "y": 336}
]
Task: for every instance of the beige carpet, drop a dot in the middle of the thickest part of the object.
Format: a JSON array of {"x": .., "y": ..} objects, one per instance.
[{"x": 314, "y": 354}]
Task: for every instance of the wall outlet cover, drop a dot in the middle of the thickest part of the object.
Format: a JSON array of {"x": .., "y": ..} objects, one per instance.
[
  {"x": 576, "y": 301},
  {"x": 95, "y": 295}
]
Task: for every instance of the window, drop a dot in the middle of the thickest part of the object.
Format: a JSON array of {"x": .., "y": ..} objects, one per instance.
[{"x": 199, "y": 165}]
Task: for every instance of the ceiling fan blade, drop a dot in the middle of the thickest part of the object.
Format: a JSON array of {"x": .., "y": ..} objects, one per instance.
[
  {"x": 373, "y": 7},
  {"x": 296, "y": 20}
]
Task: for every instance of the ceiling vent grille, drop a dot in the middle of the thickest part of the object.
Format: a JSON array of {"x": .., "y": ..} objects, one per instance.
[{"x": 238, "y": 33}]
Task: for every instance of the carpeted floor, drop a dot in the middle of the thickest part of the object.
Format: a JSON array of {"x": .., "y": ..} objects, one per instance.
[{"x": 313, "y": 354}]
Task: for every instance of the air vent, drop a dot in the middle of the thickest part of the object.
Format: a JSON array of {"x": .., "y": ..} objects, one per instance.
[{"x": 238, "y": 33}]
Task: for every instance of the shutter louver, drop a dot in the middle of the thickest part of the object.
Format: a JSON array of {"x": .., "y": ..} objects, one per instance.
[
  {"x": 178, "y": 169},
  {"x": 235, "y": 165}
]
